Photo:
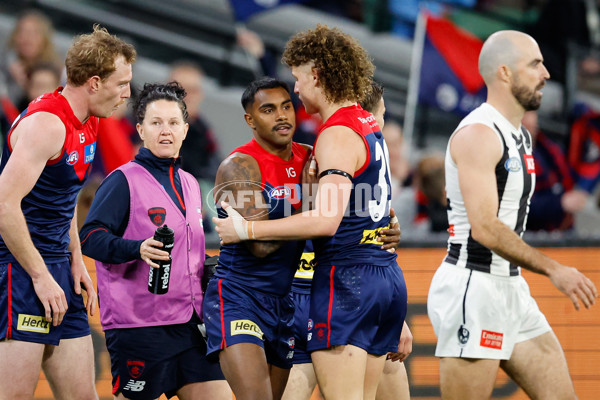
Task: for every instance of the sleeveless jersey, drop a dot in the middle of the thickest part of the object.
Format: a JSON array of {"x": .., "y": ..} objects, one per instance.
[
  {"x": 306, "y": 269},
  {"x": 280, "y": 190},
  {"x": 368, "y": 210},
  {"x": 515, "y": 177},
  {"x": 50, "y": 205}
]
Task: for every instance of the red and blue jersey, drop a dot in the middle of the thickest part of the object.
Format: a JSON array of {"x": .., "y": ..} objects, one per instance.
[
  {"x": 50, "y": 205},
  {"x": 280, "y": 190},
  {"x": 368, "y": 210}
]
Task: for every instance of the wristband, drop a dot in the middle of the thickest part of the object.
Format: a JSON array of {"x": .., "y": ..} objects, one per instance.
[{"x": 239, "y": 223}]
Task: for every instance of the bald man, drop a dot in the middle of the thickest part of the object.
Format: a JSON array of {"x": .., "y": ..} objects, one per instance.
[{"x": 479, "y": 304}]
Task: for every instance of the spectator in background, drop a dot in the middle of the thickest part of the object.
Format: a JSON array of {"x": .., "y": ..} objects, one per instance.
[
  {"x": 431, "y": 194},
  {"x": 30, "y": 42},
  {"x": 556, "y": 197},
  {"x": 42, "y": 77},
  {"x": 200, "y": 155}
]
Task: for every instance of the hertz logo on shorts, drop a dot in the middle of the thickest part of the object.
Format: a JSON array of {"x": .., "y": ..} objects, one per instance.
[
  {"x": 245, "y": 327},
  {"x": 370, "y": 235},
  {"x": 33, "y": 323}
]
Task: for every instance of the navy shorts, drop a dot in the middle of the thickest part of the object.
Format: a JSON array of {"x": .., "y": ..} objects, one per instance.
[
  {"x": 147, "y": 362},
  {"x": 22, "y": 315},
  {"x": 301, "y": 326},
  {"x": 360, "y": 305},
  {"x": 236, "y": 314}
]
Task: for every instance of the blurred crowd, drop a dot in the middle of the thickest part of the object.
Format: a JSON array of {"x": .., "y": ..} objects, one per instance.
[{"x": 567, "y": 162}]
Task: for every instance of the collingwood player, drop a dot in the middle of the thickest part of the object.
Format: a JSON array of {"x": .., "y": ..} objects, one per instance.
[{"x": 479, "y": 304}]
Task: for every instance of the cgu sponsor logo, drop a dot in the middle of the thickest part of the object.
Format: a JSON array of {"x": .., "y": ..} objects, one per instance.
[
  {"x": 245, "y": 327},
  {"x": 33, "y": 323}
]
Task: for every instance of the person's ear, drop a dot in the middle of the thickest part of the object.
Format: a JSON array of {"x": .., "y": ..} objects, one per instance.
[{"x": 249, "y": 121}]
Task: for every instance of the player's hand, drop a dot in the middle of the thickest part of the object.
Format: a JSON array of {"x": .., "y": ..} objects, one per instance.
[
  {"x": 81, "y": 275},
  {"x": 150, "y": 251},
  {"x": 234, "y": 228},
  {"x": 575, "y": 285},
  {"x": 310, "y": 179},
  {"x": 404, "y": 346},
  {"x": 391, "y": 237},
  {"x": 52, "y": 297}
]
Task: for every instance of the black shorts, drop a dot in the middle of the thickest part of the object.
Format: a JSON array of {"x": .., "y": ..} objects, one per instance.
[{"x": 147, "y": 362}]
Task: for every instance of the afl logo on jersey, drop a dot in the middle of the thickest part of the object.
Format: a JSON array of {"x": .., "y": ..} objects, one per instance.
[
  {"x": 73, "y": 157},
  {"x": 513, "y": 164},
  {"x": 280, "y": 192}
]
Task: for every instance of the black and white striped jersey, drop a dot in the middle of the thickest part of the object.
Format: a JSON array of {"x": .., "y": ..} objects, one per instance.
[{"x": 515, "y": 178}]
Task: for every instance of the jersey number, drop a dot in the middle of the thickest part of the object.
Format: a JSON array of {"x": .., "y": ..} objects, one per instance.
[{"x": 377, "y": 209}]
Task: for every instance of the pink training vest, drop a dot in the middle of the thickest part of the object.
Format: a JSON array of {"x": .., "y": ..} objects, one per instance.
[{"x": 124, "y": 299}]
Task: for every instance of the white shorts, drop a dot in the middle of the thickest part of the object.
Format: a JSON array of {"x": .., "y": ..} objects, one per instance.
[{"x": 479, "y": 315}]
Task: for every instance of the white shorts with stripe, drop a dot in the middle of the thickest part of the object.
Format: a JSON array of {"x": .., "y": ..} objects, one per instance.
[{"x": 478, "y": 315}]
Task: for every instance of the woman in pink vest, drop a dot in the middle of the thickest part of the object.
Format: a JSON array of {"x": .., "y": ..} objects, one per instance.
[{"x": 154, "y": 340}]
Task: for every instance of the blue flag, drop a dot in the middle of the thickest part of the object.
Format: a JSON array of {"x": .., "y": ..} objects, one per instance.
[
  {"x": 244, "y": 9},
  {"x": 450, "y": 78}
]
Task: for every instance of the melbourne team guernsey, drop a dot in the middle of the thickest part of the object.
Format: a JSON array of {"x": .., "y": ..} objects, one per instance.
[
  {"x": 279, "y": 189},
  {"x": 515, "y": 179},
  {"x": 368, "y": 210},
  {"x": 50, "y": 205}
]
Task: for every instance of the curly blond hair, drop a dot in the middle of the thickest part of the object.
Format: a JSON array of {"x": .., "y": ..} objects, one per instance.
[
  {"x": 344, "y": 67},
  {"x": 95, "y": 54}
]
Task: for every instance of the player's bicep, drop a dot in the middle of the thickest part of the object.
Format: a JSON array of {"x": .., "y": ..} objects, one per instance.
[
  {"x": 476, "y": 150},
  {"x": 340, "y": 148},
  {"x": 39, "y": 138},
  {"x": 239, "y": 183}
]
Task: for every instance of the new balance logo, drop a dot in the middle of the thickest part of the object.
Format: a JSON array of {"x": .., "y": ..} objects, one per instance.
[{"x": 134, "y": 386}]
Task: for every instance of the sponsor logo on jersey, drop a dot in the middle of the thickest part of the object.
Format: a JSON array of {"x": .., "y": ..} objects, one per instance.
[
  {"x": 529, "y": 163},
  {"x": 513, "y": 164},
  {"x": 33, "y": 323},
  {"x": 89, "y": 151},
  {"x": 134, "y": 386},
  {"x": 280, "y": 192},
  {"x": 367, "y": 120},
  {"x": 157, "y": 215},
  {"x": 245, "y": 327},
  {"x": 451, "y": 229},
  {"x": 306, "y": 266},
  {"x": 310, "y": 324},
  {"x": 490, "y": 339},
  {"x": 135, "y": 368},
  {"x": 73, "y": 157},
  {"x": 370, "y": 235},
  {"x": 291, "y": 342}
]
